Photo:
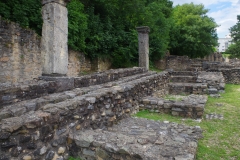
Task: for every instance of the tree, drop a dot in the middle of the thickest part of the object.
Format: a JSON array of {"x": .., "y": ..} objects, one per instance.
[
  {"x": 193, "y": 33},
  {"x": 234, "y": 49},
  {"x": 77, "y": 25},
  {"x": 26, "y": 13},
  {"x": 235, "y": 31}
]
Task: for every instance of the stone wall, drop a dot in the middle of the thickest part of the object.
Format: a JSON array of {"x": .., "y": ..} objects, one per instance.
[
  {"x": 191, "y": 106},
  {"x": 77, "y": 62},
  {"x": 231, "y": 75},
  {"x": 184, "y": 62},
  {"x": 101, "y": 64},
  {"x": 20, "y": 55},
  {"x": 14, "y": 93},
  {"x": 43, "y": 132}
]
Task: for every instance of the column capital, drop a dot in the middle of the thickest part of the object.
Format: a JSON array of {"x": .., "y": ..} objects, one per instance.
[
  {"x": 62, "y": 2},
  {"x": 143, "y": 29}
]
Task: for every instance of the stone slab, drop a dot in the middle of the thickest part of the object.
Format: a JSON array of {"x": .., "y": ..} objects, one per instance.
[{"x": 136, "y": 138}]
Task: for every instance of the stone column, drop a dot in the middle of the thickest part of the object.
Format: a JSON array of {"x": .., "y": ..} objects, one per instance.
[
  {"x": 54, "y": 48},
  {"x": 143, "y": 46}
]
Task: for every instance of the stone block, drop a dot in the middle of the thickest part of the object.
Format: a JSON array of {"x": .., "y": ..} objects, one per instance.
[
  {"x": 54, "y": 39},
  {"x": 12, "y": 124}
]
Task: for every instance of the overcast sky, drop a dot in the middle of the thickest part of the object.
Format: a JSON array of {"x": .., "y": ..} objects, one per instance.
[{"x": 223, "y": 11}]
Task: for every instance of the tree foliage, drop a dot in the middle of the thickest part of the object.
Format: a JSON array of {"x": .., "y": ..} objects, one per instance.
[
  {"x": 107, "y": 28},
  {"x": 193, "y": 33},
  {"x": 235, "y": 30},
  {"x": 25, "y": 12},
  {"x": 234, "y": 49},
  {"x": 77, "y": 25}
]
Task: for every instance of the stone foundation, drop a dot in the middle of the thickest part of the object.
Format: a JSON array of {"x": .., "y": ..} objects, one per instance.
[
  {"x": 191, "y": 106},
  {"x": 40, "y": 128},
  {"x": 138, "y": 139},
  {"x": 15, "y": 93}
]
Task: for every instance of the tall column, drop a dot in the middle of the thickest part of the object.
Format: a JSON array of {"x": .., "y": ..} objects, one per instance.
[
  {"x": 143, "y": 46},
  {"x": 54, "y": 48}
]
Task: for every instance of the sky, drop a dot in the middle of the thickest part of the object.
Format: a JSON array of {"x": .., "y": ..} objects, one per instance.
[{"x": 223, "y": 11}]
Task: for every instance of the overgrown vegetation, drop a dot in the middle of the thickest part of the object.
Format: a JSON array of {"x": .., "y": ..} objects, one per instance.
[
  {"x": 107, "y": 28},
  {"x": 234, "y": 49},
  {"x": 221, "y": 137}
]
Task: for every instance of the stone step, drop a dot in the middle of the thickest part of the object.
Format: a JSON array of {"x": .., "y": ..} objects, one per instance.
[
  {"x": 187, "y": 88},
  {"x": 191, "y": 106},
  {"x": 47, "y": 85},
  {"x": 183, "y": 73},
  {"x": 136, "y": 138},
  {"x": 19, "y": 108},
  {"x": 183, "y": 79},
  {"x": 41, "y": 134}
]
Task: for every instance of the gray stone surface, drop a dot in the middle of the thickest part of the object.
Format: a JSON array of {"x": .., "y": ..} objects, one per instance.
[
  {"x": 135, "y": 138},
  {"x": 54, "y": 48},
  {"x": 214, "y": 116},
  {"x": 191, "y": 106},
  {"x": 143, "y": 46},
  {"x": 215, "y": 81}
]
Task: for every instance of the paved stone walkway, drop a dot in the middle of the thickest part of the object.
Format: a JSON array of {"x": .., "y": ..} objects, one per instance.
[{"x": 137, "y": 138}]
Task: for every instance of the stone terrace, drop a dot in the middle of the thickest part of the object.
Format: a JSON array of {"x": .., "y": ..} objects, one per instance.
[{"x": 39, "y": 128}]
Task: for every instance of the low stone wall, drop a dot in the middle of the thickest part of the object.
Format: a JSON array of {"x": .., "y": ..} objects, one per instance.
[
  {"x": 181, "y": 63},
  {"x": 231, "y": 75},
  {"x": 48, "y": 85},
  {"x": 188, "y": 88},
  {"x": 43, "y": 133},
  {"x": 191, "y": 106}
]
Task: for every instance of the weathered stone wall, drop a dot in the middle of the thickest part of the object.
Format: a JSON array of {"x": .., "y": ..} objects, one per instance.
[
  {"x": 77, "y": 62},
  {"x": 184, "y": 62},
  {"x": 191, "y": 106},
  {"x": 14, "y": 93},
  {"x": 101, "y": 64},
  {"x": 20, "y": 55},
  {"x": 43, "y": 132},
  {"x": 215, "y": 81},
  {"x": 231, "y": 75},
  {"x": 215, "y": 57}
]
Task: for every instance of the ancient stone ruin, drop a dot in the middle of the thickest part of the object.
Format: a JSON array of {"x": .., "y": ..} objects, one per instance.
[
  {"x": 53, "y": 118},
  {"x": 54, "y": 46}
]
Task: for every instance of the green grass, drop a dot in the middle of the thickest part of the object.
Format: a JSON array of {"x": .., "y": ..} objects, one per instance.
[
  {"x": 153, "y": 68},
  {"x": 221, "y": 137}
]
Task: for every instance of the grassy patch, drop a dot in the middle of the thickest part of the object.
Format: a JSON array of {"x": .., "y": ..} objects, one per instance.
[
  {"x": 221, "y": 137},
  {"x": 153, "y": 68}
]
